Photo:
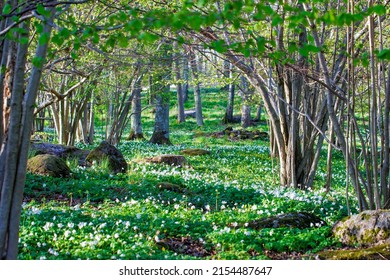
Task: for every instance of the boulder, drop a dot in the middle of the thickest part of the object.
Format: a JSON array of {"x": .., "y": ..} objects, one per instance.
[
  {"x": 106, "y": 151},
  {"x": 195, "y": 152},
  {"x": 174, "y": 160},
  {"x": 190, "y": 113},
  {"x": 62, "y": 151},
  {"x": 366, "y": 228},
  {"x": 378, "y": 252},
  {"x": 291, "y": 220},
  {"x": 49, "y": 165}
]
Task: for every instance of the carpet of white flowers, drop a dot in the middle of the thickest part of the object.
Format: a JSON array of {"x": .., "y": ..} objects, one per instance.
[{"x": 97, "y": 215}]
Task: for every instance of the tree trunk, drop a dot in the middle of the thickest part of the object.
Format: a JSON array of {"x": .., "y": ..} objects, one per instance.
[
  {"x": 229, "y": 117},
  {"x": 161, "y": 121},
  {"x": 197, "y": 96},
  {"x": 136, "y": 110},
  {"x": 179, "y": 88},
  {"x": 161, "y": 93},
  {"x": 246, "y": 96},
  {"x": 185, "y": 77},
  {"x": 17, "y": 145}
]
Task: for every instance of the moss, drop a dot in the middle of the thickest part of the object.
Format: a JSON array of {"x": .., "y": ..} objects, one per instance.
[
  {"x": 195, "y": 152},
  {"x": 108, "y": 153},
  {"x": 379, "y": 252},
  {"x": 48, "y": 165}
]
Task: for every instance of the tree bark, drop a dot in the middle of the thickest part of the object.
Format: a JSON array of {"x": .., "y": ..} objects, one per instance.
[
  {"x": 16, "y": 152},
  {"x": 229, "y": 113},
  {"x": 179, "y": 85},
  {"x": 197, "y": 96}
]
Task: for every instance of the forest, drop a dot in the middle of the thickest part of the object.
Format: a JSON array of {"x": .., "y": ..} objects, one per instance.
[{"x": 194, "y": 129}]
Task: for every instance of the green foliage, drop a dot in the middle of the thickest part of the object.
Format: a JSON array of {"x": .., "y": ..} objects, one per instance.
[{"x": 95, "y": 215}]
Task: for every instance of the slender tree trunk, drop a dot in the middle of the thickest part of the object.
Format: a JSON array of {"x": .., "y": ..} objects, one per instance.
[
  {"x": 373, "y": 112},
  {"x": 229, "y": 113},
  {"x": 179, "y": 88},
  {"x": 185, "y": 77},
  {"x": 16, "y": 152},
  {"x": 246, "y": 96},
  {"x": 136, "y": 111},
  {"x": 197, "y": 96}
]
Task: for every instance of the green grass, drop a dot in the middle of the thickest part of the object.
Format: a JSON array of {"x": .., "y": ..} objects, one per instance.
[{"x": 95, "y": 215}]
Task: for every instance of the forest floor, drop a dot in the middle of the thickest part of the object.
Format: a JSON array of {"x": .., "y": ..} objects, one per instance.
[{"x": 97, "y": 215}]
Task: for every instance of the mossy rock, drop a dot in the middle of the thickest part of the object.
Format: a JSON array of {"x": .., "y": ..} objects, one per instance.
[
  {"x": 62, "y": 151},
  {"x": 107, "y": 152},
  {"x": 365, "y": 228},
  {"x": 195, "y": 152},
  {"x": 290, "y": 220},
  {"x": 173, "y": 160},
  {"x": 380, "y": 252},
  {"x": 49, "y": 165}
]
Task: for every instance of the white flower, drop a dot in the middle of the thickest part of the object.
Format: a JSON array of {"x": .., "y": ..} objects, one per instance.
[
  {"x": 81, "y": 225},
  {"x": 70, "y": 225},
  {"x": 177, "y": 206},
  {"x": 60, "y": 225},
  {"x": 53, "y": 252},
  {"x": 47, "y": 226},
  {"x": 116, "y": 235},
  {"x": 138, "y": 216}
]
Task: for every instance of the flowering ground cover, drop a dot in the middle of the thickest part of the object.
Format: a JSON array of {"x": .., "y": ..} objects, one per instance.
[{"x": 96, "y": 215}]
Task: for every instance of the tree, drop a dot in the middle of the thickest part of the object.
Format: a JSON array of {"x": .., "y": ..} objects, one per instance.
[
  {"x": 161, "y": 92},
  {"x": 15, "y": 147},
  {"x": 197, "y": 96}
]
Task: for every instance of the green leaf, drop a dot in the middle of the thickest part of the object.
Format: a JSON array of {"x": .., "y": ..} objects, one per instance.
[
  {"x": 64, "y": 32},
  {"x": 42, "y": 11},
  {"x": 307, "y": 49},
  {"x": 7, "y": 9},
  {"x": 123, "y": 41},
  {"x": 57, "y": 39},
  {"x": 384, "y": 54},
  {"x": 148, "y": 37},
  {"x": 195, "y": 22},
  {"x": 44, "y": 38},
  {"x": 218, "y": 46},
  {"x": 276, "y": 20},
  {"x": 38, "y": 61},
  {"x": 260, "y": 44},
  {"x": 380, "y": 10},
  {"x": 24, "y": 40},
  {"x": 39, "y": 27}
]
